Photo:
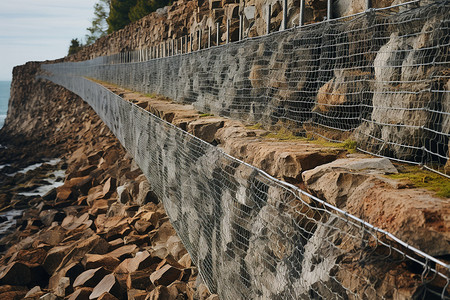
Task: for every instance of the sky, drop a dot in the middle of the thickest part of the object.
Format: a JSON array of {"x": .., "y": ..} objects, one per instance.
[{"x": 37, "y": 30}]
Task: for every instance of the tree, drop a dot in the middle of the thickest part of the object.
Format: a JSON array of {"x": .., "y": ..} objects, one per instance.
[
  {"x": 144, "y": 7},
  {"x": 99, "y": 26},
  {"x": 123, "y": 12},
  {"x": 118, "y": 14},
  {"x": 75, "y": 46}
]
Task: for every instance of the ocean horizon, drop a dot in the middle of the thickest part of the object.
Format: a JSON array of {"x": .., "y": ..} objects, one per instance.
[{"x": 4, "y": 98}]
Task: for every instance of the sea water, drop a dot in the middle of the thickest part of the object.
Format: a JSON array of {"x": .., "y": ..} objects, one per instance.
[{"x": 4, "y": 97}]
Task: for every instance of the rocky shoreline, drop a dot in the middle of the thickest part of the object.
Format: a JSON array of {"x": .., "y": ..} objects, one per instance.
[{"x": 102, "y": 234}]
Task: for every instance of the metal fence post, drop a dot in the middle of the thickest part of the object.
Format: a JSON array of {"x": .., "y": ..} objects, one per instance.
[
  {"x": 209, "y": 36},
  {"x": 192, "y": 42},
  {"x": 328, "y": 9},
  {"x": 285, "y": 9},
  {"x": 241, "y": 19},
  {"x": 269, "y": 12},
  {"x": 181, "y": 45},
  {"x": 368, "y": 4},
  {"x": 173, "y": 47},
  {"x": 302, "y": 13},
  {"x": 217, "y": 34},
  {"x": 228, "y": 31},
  {"x": 199, "y": 39}
]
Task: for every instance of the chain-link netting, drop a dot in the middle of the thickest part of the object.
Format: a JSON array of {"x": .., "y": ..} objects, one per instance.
[
  {"x": 380, "y": 78},
  {"x": 252, "y": 236}
]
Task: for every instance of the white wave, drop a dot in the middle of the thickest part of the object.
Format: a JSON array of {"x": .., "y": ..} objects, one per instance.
[
  {"x": 5, "y": 165},
  {"x": 52, "y": 183},
  {"x": 52, "y": 162},
  {"x": 10, "y": 214}
]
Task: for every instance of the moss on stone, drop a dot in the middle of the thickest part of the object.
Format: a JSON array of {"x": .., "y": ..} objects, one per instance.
[
  {"x": 420, "y": 178},
  {"x": 202, "y": 115}
]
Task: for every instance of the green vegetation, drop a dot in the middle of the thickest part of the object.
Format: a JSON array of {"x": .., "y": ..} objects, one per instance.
[
  {"x": 425, "y": 179},
  {"x": 123, "y": 12},
  {"x": 118, "y": 14},
  {"x": 255, "y": 127},
  {"x": 350, "y": 145},
  {"x": 284, "y": 135},
  {"x": 113, "y": 15},
  {"x": 202, "y": 115},
  {"x": 75, "y": 46},
  {"x": 144, "y": 7},
  {"x": 99, "y": 26}
]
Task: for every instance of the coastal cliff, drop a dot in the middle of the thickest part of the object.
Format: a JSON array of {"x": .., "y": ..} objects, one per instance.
[
  {"x": 103, "y": 233},
  {"x": 101, "y": 220}
]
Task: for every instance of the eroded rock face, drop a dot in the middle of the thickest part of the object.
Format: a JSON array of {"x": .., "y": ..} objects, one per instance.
[
  {"x": 356, "y": 186},
  {"x": 402, "y": 60}
]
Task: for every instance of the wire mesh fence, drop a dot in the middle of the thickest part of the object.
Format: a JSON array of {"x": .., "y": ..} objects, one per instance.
[
  {"x": 380, "y": 78},
  {"x": 252, "y": 236}
]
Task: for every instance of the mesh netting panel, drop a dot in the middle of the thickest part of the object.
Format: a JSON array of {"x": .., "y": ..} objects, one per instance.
[
  {"x": 380, "y": 78},
  {"x": 252, "y": 236}
]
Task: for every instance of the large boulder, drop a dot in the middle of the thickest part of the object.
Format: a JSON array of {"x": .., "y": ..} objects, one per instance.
[{"x": 403, "y": 118}]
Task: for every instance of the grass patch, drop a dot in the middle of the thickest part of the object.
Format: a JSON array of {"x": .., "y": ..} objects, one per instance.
[
  {"x": 202, "y": 115},
  {"x": 284, "y": 135},
  {"x": 350, "y": 145},
  {"x": 255, "y": 127},
  {"x": 152, "y": 95},
  {"x": 425, "y": 179}
]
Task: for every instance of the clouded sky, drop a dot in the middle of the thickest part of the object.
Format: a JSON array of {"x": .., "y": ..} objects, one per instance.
[{"x": 36, "y": 30}]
